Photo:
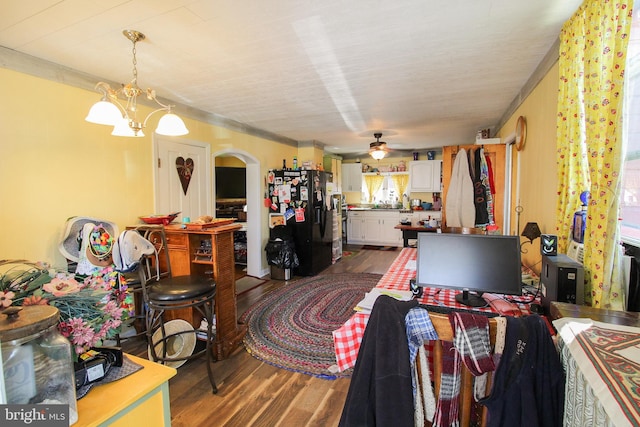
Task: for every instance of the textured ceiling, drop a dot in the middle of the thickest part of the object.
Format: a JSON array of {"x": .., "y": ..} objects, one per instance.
[{"x": 426, "y": 73}]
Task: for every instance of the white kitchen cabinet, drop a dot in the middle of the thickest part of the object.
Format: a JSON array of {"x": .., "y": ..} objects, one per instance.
[
  {"x": 355, "y": 227},
  {"x": 424, "y": 176},
  {"x": 352, "y": 177},
  {"x": 374, "y": 227}
]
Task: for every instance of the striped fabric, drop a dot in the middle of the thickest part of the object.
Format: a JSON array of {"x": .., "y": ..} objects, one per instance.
[{"x": 471, "y": 346}]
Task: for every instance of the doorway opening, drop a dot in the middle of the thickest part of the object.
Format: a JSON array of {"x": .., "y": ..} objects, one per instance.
[{"x": 247, "y": 209}]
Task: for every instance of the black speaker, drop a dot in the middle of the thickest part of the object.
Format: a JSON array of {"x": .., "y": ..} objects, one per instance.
[
  {"x": 415, "y": 289},
  {"x": 561, "y": 279},
  {"x": 549, "y": 244}
]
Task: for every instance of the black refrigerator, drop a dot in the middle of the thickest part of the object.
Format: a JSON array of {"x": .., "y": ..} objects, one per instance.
[{"x": 299, "y": 200}]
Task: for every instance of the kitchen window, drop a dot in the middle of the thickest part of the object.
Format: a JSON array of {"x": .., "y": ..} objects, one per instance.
[{"x": 387, "y": 194}]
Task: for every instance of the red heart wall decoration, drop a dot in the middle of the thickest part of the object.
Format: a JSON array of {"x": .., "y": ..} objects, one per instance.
[{"x": 185, "y": 170}]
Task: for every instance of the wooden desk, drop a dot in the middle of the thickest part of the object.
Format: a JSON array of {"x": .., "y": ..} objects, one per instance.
[
  {"x": 411, "y": 232},
  {"x": 186, "y": 259},
  {"x": 141, "y": 399},
  {"x": 558, "y": 310}
]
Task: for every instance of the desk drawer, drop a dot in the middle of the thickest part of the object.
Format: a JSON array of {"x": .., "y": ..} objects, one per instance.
[{"x": 177, "y": 240}]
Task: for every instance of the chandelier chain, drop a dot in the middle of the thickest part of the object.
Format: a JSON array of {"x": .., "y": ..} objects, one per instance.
[{"x": 135, "y": 63}]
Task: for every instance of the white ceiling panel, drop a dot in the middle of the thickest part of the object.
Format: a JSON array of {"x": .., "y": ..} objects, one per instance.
[{"x": 429, "y": 72}]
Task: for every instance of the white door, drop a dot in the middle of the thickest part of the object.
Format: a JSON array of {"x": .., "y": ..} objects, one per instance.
[{"x": 186, "y": 158}]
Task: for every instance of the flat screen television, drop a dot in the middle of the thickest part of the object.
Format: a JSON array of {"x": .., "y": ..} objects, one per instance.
[
  {"x": 472, "y": 263},
  {"x": 231, "y": 182}
]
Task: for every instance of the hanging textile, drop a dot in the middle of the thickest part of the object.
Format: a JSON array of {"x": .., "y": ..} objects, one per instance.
[
  {"x": 479, "y": 189},
  {"x": 593, "y": 48},
  {"x": 486, "y": 182},
  {"x": 491, "y": 187},
  {"x": 459, "y": 208},
  {"x": 401, "y": 182},
  {"x": 373, "y": 183}
]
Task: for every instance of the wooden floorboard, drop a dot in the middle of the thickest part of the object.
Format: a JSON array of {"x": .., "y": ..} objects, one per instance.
[{"x": 254, "y": 393}]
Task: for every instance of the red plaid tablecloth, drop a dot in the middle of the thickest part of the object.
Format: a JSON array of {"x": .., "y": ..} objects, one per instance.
[{"x": 347, "y": 338}]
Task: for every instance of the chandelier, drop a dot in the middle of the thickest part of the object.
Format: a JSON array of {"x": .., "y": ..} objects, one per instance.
[
  {"x": 110, "y": 111},
  {"x": 378, "y": 149}
]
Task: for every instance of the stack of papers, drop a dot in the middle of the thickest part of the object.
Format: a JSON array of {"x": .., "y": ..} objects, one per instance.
[{"x": 366, "y": 305}]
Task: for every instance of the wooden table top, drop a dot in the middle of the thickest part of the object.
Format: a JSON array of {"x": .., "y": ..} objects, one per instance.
[
  {"x": 558, "y": 310},
  {"x": 415, "y": 228}
]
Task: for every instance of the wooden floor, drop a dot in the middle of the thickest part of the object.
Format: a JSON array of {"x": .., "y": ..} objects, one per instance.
[{"x": 253, "y": 393}]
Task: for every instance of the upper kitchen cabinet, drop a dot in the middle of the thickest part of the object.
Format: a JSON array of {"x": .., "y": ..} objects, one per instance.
[
  {"x": 424, "y": 176},
  {"x": 352, "y": 177}
]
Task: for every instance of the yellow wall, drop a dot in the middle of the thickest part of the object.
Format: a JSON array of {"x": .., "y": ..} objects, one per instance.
[
  {"x": 54, "y": 165},
  {"x": 538, "y": 169}
]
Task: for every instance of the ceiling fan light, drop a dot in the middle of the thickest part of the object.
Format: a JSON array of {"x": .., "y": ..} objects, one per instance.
[
  {"x": 122, "y": 128},
  {"x": 104, "y": 113},
  {"x": 378, "y": 154},
  {"x": 171, "y": 125}
]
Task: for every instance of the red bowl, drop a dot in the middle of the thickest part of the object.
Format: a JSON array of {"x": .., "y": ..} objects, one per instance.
[{"x": 159, "y": 219}]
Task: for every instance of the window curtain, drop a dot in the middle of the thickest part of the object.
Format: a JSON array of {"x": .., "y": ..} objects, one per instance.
[
  {"x": 593, "y": 46},
  {"x": 401, "y": 182},
  {"x": 373, "y": 183}
]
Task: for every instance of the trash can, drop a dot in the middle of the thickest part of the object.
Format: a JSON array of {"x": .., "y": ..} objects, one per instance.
[{"x": 281, "y": 255}]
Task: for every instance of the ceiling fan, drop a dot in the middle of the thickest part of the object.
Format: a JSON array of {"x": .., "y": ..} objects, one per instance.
[{"x": 378, "y": 149}]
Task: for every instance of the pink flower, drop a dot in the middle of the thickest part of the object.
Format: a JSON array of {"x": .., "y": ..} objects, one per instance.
[
  {"x": 6, "y": 298},
  {"x": 62, "y": 286}
]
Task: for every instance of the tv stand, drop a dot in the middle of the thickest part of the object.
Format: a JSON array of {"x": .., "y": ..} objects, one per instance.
[{"x": 471, "y": 299}]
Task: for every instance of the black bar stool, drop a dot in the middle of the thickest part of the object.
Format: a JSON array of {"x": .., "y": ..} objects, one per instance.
[{"x": 162, "y": 292}]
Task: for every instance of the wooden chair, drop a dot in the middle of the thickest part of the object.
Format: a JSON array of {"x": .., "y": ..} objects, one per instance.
[
  {"x": 463, "y": 230},
  {"x": 466, "y": 400}
]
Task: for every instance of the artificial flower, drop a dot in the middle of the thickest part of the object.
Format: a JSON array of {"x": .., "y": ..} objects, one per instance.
[
  {"x": 92, "y": 309},
  {"x": 35, "y": 300},
  {"x": 60, "y": 286},
  {"x": 6, "y": 298}
]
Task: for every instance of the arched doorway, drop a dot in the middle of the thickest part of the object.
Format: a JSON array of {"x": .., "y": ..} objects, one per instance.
[{"x": 254, "y": 208}]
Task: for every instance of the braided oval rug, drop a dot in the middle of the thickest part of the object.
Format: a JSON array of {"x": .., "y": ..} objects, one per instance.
[{"x": 292, "y": 326}]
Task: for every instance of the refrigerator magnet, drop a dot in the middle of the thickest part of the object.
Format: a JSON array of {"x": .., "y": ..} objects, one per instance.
[
  {"x": 299, "y": 215},
  {"x": 288, "y": 214},
  {"x": 285, "y": 193},
  {"x": 304, "y": 193},
  {"x": 275, "y": 220}
]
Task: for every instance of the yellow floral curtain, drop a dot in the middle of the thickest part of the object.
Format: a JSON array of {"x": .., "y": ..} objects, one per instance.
[
  {"x": 593, "y": 47},
  {"x": 401, "y": 182},
  {"x": 373, "y": 183}
]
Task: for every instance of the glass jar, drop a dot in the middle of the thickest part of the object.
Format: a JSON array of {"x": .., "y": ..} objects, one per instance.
[{"x": 36, "y": 359}]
